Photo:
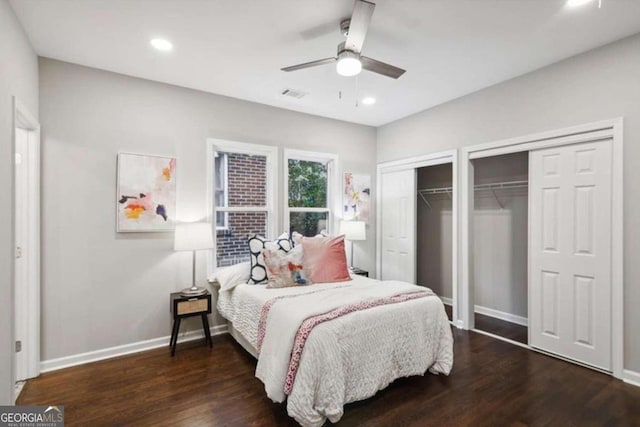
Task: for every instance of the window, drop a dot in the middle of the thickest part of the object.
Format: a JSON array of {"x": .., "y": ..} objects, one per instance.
[
  {"x": 308, "y": 188},
  {"x": 242, "y": 190}
]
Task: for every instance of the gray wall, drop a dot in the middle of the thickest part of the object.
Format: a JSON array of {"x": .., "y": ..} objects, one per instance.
[
  {"x": 435, "y": 231},
  {"x": 103, "y": 289},
  {"x": 500, "y": 235},
  {"x": 600, "y": 84},
  {"x": 18, "y": 77}
]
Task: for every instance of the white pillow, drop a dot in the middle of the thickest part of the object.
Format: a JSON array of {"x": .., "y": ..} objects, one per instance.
[{"x": 230, "y": 277}]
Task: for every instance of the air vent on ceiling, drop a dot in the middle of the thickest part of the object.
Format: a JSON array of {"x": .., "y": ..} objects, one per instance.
[{"x": 298, "y": 94}]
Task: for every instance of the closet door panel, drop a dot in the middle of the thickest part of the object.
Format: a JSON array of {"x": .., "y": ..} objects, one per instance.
[
  {"x": 570, "y": 251},
  {"x": 398, "y": 198}
]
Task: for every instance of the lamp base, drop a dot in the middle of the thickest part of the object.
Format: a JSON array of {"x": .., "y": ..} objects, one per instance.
[{"x": 193, "y": 291}]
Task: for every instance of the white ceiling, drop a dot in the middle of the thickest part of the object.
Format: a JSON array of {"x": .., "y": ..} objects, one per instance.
[{"x": 237, "y": 47}]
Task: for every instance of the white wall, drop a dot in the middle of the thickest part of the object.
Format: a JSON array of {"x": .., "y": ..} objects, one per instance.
[
  {"x": 18, "y": 77},
  {"x": 103, "y": 289},
  {"x": 600, "y": 84}
]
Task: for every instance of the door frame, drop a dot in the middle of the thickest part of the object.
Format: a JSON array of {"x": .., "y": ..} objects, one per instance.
[
  {"x": 22, "y": 118},
  {"x": 606, "y": 129},
  {"x": 433, "y": 159}
]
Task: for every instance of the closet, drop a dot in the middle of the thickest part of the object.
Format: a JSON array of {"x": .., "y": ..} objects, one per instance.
[
  {"x": 500, "y": 245},
  {"x": 541, "y": 242},
  {"x": 434, "y": 229}
]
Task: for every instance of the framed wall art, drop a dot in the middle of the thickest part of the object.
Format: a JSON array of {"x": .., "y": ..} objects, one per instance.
[
  {"x": 146, "y": 198},
  {"x": 356, "y": 197}
]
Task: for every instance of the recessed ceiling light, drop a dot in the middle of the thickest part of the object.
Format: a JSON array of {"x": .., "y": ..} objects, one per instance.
[
  {"x": 576, "y": 3},
  {"x": 162, "y": 45},
  {"x": 369, "y": 100}
]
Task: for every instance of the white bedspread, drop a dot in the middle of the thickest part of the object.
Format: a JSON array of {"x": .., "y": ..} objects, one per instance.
[{"x": 346, "y": 359}]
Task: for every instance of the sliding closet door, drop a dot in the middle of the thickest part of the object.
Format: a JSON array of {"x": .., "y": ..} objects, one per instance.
[
  {"x": 570, "y": 252},
  {"x": 398, "y": 201}
]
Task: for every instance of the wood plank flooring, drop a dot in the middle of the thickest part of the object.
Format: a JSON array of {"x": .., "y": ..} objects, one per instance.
[
  {"x": 502, "y": 328},
  {"x": 493, "y": 383},
  {"x": 498, "y": 327}
]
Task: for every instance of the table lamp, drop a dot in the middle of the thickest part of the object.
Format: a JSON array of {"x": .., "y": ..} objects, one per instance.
[
  {"x": 353, "y": 230},
  {"x": 195, "y": 236}
]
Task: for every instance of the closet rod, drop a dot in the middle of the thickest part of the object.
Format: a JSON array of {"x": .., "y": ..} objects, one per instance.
[{"x": 480, "y": 187}]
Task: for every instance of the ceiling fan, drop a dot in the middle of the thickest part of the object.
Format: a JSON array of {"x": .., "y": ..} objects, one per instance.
[{"x": 349, "y": 61}]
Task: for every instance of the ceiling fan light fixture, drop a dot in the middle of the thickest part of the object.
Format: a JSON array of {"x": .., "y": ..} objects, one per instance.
[{"x": 348, "y": 64}]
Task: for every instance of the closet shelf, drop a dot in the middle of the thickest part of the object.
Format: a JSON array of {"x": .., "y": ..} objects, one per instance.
[{"x": 424, "y": 192}]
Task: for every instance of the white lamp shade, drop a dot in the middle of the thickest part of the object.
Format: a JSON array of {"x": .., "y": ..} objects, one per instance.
[
  {"x": 353, "y": 230},
  {"x": 194, "y": 236}
]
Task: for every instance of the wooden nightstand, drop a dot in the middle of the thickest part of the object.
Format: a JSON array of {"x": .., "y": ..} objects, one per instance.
[
  {"x": 182, "y": 307},
  {"x": 360, "y": 272}
]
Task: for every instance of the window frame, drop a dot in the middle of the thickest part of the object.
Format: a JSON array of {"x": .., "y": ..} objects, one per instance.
[
  {"x": 271, "y": 153},
  {"x": 225, "y": 191},
  {"x": 333, "y": 201}
]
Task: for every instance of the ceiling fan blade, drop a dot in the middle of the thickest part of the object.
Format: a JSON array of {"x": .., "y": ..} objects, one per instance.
[
  {"x": 309, "y": 64},
  {"x": 381, "y": 67},
  {"x": 360, "y": 19}
]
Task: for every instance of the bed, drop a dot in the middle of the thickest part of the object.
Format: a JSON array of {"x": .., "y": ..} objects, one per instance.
[{"x": 325, "y": 345}]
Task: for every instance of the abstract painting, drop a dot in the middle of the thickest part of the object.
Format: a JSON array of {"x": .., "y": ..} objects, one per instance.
[
  {"x": 356, "y": 197},
  {"x": 146, "y": 199}
]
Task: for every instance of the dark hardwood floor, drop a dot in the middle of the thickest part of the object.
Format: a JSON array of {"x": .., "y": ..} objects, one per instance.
[
  {"x": 498, "y": 327},
  {"x": 501, "y": 328},
  {"x": 493, "y": 383}
]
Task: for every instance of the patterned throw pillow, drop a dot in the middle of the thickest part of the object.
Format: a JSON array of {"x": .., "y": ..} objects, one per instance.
[
  {"x": 285, "y": 268},
  {"x": 256, "y": 245}
]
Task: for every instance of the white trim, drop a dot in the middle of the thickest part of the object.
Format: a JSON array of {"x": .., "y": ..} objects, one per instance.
[
  {"x": 433, "y": 159},
  {"x": 502, "y": 315},
  {"x": 243, "y": 209},
  {"x": 333, "y": 185},
  {"x": 31, "y": 344},
  {"x": 122, "y": 350},
  {"x": 631, "y": 377},
  {"x": 271, "y": 154},
  {"x": 19, "y": 386},
  {"x": 606, "y": 129}
]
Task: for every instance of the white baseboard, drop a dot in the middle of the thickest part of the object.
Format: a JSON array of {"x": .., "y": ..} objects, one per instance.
[
  {"x": 631, "y": 377},
  {"x": 508, "y": 317},
  {"x": 17, "y": 390},
  {"x": 121, "y": 350}
]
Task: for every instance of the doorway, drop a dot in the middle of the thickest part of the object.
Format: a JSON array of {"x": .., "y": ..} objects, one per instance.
[
  {"x": 575, "y": 198},
  {"x": 398, "y": 210},
  {"x": 27, "y": 243}
]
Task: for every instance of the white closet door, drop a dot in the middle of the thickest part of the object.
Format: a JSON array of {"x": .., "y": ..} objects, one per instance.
[
  {"x": 398, "y": 199},
  {"x": 570, "y": 252}
]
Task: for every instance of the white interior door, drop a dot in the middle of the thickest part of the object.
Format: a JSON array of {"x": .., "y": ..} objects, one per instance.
[
  {"x": 21, "y": 249},
  {"x": 398, "y": 202},
  {"x": 570, "y": 251}
]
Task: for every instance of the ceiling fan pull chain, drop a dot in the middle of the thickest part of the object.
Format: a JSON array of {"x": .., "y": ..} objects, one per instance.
[{"x": 357, "y": 95}]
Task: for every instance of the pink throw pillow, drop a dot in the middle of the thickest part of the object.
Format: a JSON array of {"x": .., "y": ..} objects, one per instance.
[{"x": 325, "y": 259}]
